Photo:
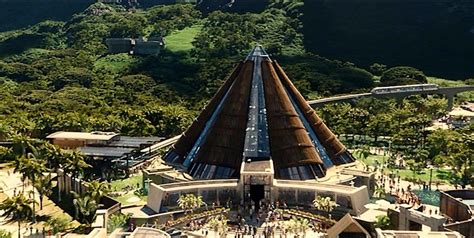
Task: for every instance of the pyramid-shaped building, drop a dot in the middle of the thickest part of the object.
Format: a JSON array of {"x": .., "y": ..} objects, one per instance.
[{"x": 258, "y": 115}]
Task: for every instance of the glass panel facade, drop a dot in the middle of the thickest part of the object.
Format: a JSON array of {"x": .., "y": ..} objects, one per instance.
[
  {"x": 344, "y": 201},
  {"x": 288, "y": 196},
  {"x": 305, "y": 197}
]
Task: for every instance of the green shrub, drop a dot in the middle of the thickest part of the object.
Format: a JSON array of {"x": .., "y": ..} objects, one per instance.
[
  {"x": 118, "y": 220},
  {"x": 58, "y": 224},
  {"x": 5, "y": 234}
]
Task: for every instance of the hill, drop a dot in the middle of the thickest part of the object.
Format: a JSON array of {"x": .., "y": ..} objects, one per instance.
[{"x": 435, "y": 36}]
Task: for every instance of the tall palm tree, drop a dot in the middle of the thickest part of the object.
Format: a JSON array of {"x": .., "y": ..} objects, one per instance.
[
  {"x": 30, "y": 168},
  {"x": 44, "y": 187},
  {"x": 75, "y": 163},
  {"x": 18, "y": 167},
  {"x": 18, "y": 209},
  {"x": 22, "y": 144},
  {"x": 53, "y": 155}
]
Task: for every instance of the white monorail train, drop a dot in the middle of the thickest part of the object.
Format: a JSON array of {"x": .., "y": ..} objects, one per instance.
[{"x": 405, "y": 88}]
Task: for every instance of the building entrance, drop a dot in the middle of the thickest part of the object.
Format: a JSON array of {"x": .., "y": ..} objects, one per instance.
[
  {"x": 257, "y": 193},
  {"x": 414, "y": 226}
]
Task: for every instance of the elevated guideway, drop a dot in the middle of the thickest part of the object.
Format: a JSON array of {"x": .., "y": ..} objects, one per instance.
[{"x": 397, "y": 93}]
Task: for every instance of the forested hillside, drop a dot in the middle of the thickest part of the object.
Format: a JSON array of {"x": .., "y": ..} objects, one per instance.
[
  {"x": 57, "y": 75},
  {"x": 15, "y": 14},
  {"x": 435, "y": 36}
]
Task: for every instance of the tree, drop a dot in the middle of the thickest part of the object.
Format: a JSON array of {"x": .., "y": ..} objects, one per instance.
[
  {"x": 97, "y": 190},
  {"x": 461, "y": 161},
  {"x": 22, "y": 144},
  {"x": 5, "y": 234},
  {"x": 5, "y": 131},
  {"x": 379, "y": 191},
  {"x": 377, "y": 69},
  {"x": 416, "y": 159},
  {"x": 189, "y": 202},
  {"x": 324, "y": 204},
  {"x": 402, "y": 75},
  {"x": 437, "y": 145},
  {"x": 18, "y": 209},
  {"x": 117, "y": 220},
  {"x": 32, "y": 169},
  {"x": 363, "y": 153},
  {"x": 218, "y": 224},
  {"x": 353, "y": 78},
  {"x": 383, "y": 222},
  {"x": 379, "y": 125},
  {"x": 85, "y": 208},
  {"x": 44, "y": 187},
  {"x": 53, "y": 154},
  {"x": 75, "y": 163},
  {"x": 58, "y": 224}
]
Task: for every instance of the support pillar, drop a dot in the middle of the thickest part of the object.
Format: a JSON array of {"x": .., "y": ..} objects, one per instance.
[
  {"x": 450, "y": 101},
  {"x": 399, "y": 100}
]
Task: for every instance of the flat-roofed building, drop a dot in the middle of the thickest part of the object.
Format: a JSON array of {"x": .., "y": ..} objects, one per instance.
[
  {"x": 119, "y": 45},
  {"x": 73, "y": 140},
  {"x": 416, "y": 234},
  {"x": 151, "y": 46}
]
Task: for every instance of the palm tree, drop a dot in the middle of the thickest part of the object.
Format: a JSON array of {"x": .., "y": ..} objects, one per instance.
[
  {"x": 379, "y": 191},
  {"x": 363, "y": 153},
  {"x": 18, "y": 208},
  {"x": 298, "y": 225},
  {"x": 22, "y": 144},
  {"x": 53, "y": 155},
  {"x": 218, "y": 224},
  {"x": 96, "y": 190},
  {"x": 324, "y": 204},
  {"x": 33, "y": 168},
  {"x": 44, "y": 187},
  {"x": 383, "y": 222},
  {"x": 58, "y": 224},
  {"x": 18, "y": 167},
  {"x": 190, "y": 202},
  {"x": 86, "y": 207},
  {"x": 74, "y": 163}
]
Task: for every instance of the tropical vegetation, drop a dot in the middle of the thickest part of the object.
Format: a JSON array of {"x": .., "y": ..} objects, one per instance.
[{"x": 18, "y": 209}]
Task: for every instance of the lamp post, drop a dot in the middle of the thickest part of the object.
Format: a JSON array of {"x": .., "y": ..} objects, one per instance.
[
  {"x": 146, "y": 186},
  {"x": 431, "y": 175},
  {"x": 32, "y": 197}
]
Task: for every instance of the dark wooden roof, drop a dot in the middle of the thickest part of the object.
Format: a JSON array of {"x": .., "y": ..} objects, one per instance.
[
  {"x": 244, "y": 113},
  {"x": 187, "y": 139},
  {"x": 330, "y": 142},
  {"x": 289, "y": 141},
  {"x": 224, "y": 144}
]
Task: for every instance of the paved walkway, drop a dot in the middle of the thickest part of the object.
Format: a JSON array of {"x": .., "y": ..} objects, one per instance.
[{"x": 10, "y": 183}]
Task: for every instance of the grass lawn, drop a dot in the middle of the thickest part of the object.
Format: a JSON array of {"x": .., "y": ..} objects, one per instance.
[
  {"x": 119, "y": 185},
  {"x": 370, "y": 161},
  {"x": 124, "y": 199},
  {"x": 116, "y": 62},
  {"x": 425, "y": 174},
  {"x": 438, "y": 174},
  {"x": 182, "y": 40}
]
